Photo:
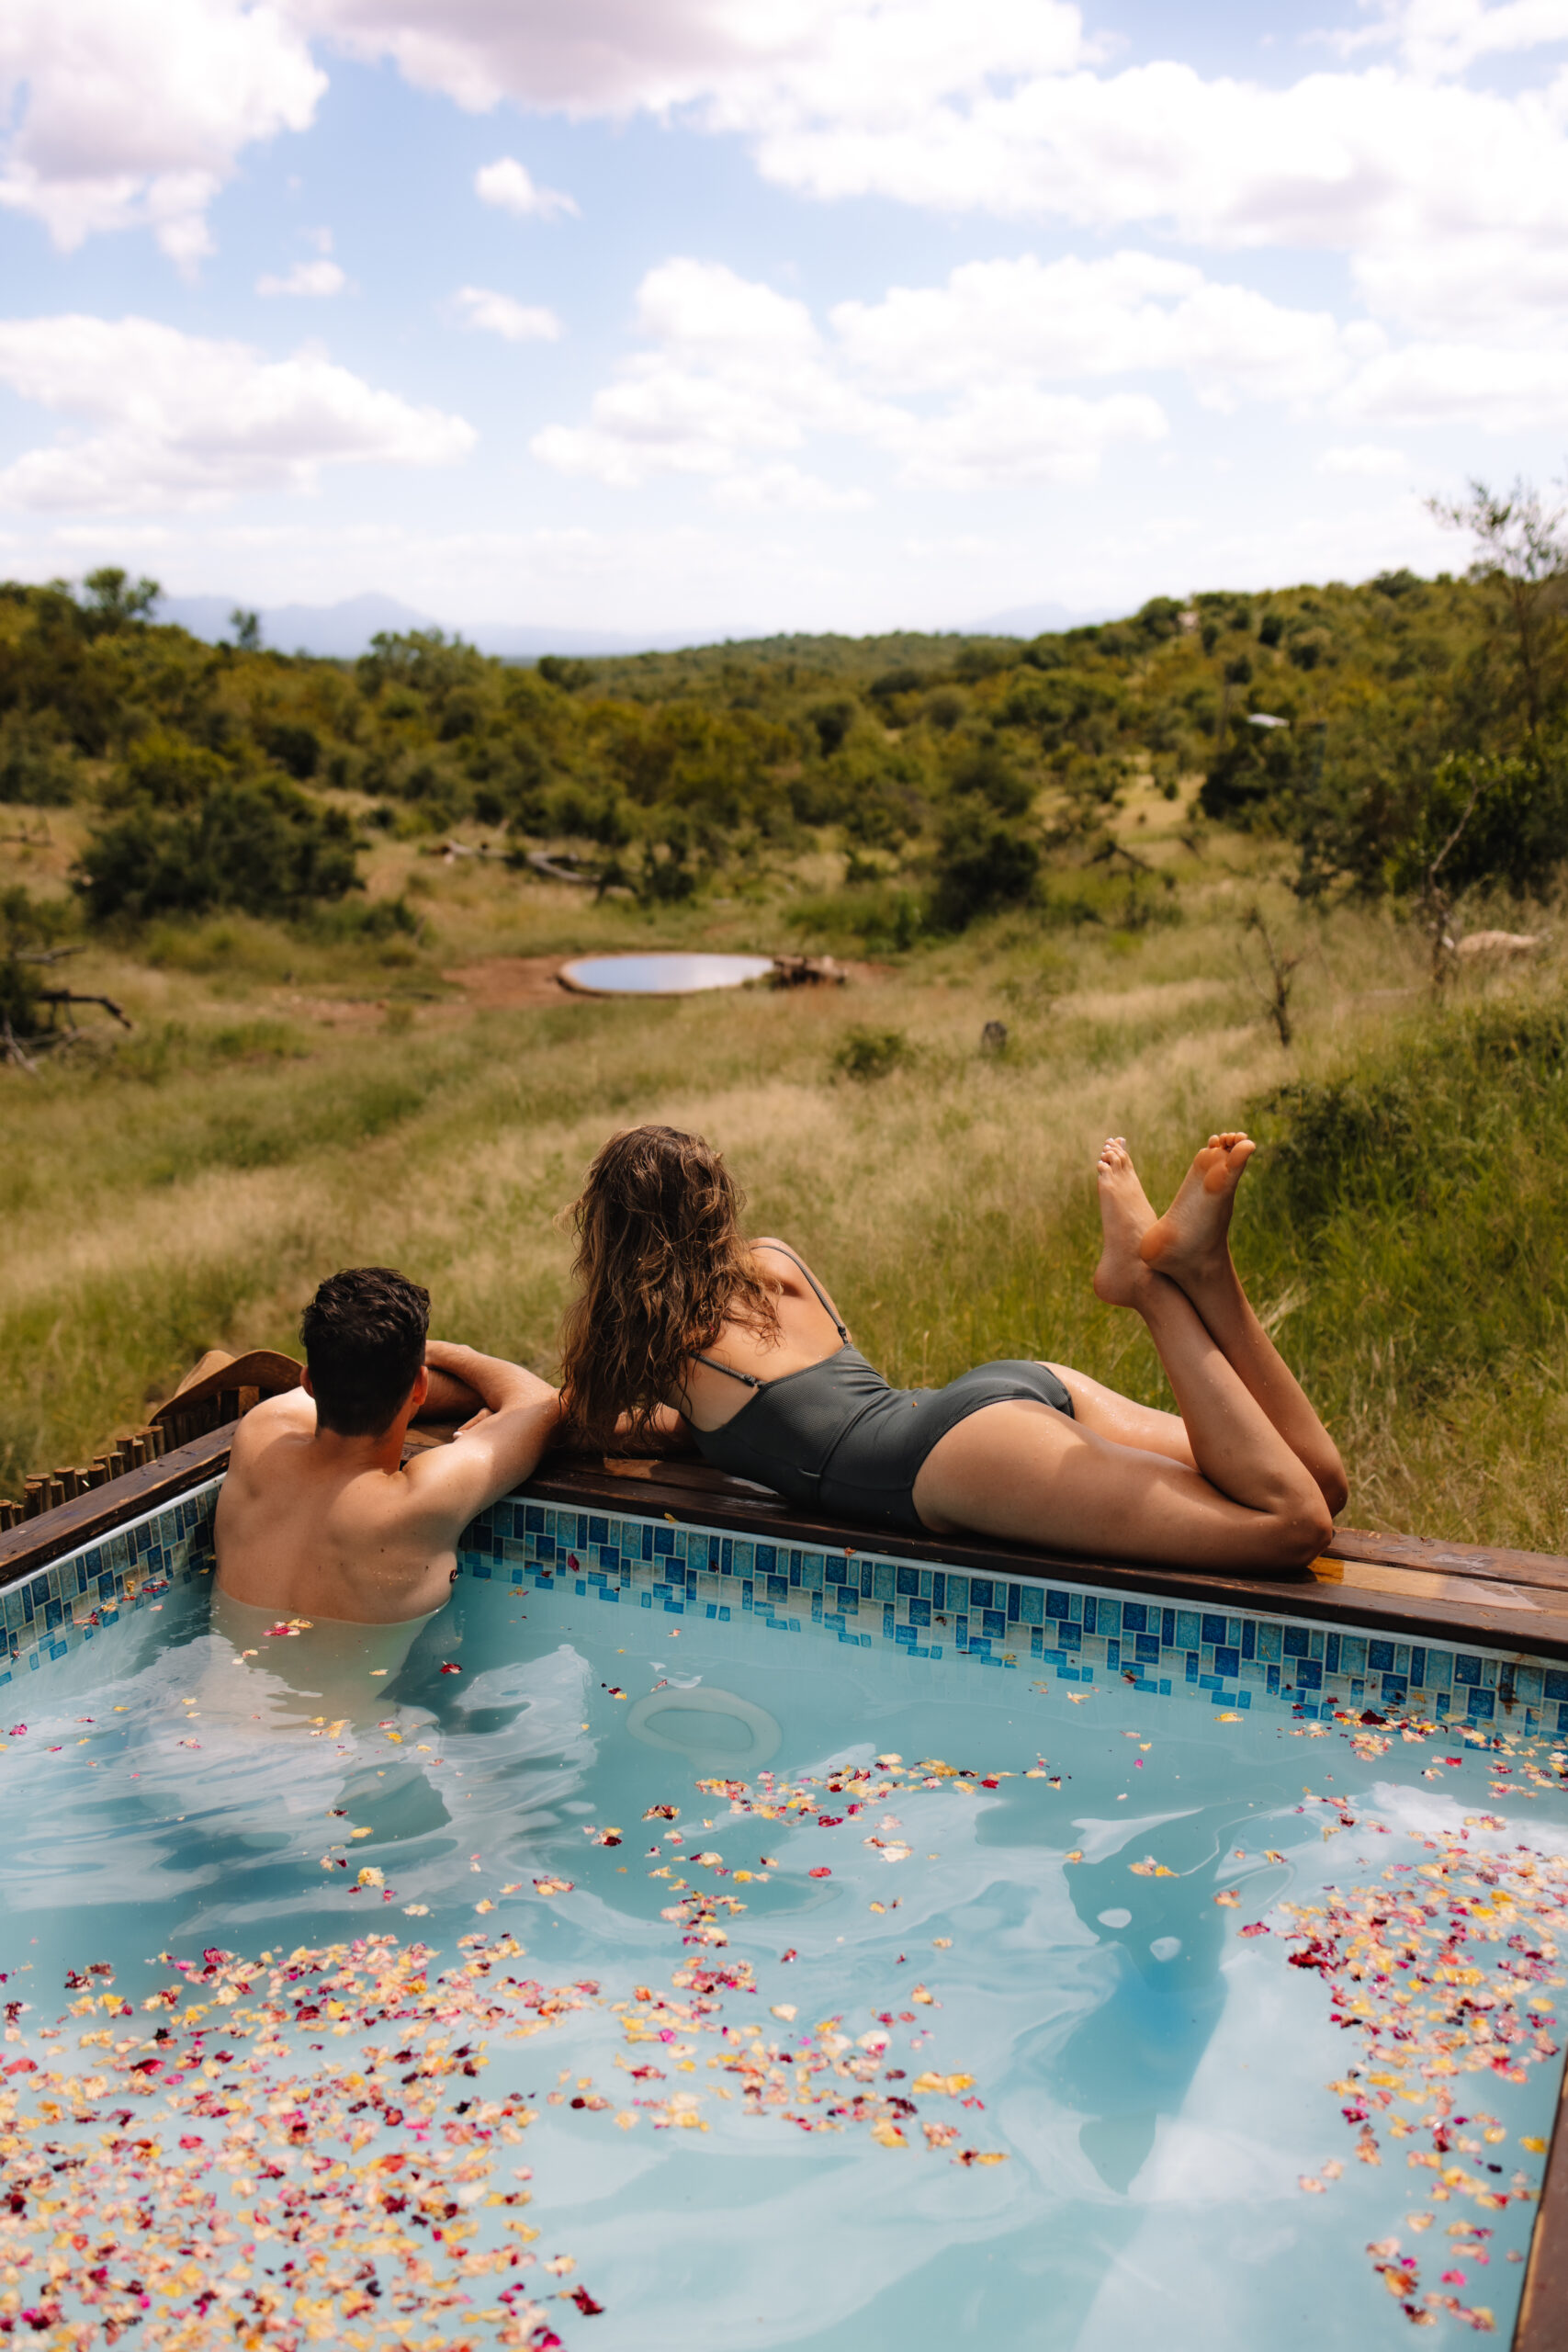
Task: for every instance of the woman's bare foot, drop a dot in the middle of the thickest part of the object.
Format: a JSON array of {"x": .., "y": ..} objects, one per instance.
[
  {"x": 1189, "y": 1240},
  {"x": 1120, "y": 1278}
]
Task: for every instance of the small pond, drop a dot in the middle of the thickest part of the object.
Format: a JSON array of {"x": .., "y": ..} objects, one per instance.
[{"x": 668, "y": 975}]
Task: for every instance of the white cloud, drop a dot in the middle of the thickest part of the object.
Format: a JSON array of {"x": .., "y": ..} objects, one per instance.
[
  {"x": 1444, "y": 37},
  {"x": 1490, "y": 386},
  {"x": 1452, "y": 202},
  {"x": 316, "y": 279},
  {"x": 1365, "y": 457},
  {"x": 132, "y": 113},
  {"x": 1015, "y": 432},
  {"x": 737, "y": 370},
  {"x": 511, "y": 186},
  {"x": 785, "y": 489},
  {"x": 177, "y": 420},
  {"x": 741, "y": 57},
  {"x": 492, "y": 313},
  {"x": 1132, "y": 312},
  {"x": 1408, "y": 178}
]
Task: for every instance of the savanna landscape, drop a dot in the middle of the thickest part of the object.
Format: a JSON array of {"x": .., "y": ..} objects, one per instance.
[{"x": 1230, "y": 860}]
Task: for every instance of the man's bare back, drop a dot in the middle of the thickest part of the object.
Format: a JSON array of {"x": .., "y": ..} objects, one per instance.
[{"x": 314, "y": 1523}]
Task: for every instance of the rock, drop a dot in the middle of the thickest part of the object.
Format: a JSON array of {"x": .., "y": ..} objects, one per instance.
[
  {"x": 1478, "y": 944},
  {"x": 805, "y": 972}
]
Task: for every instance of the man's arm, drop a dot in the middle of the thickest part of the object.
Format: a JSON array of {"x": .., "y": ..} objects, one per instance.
[
  {"x": 447, "y": 1398},
  {"x": 519, "y": 1413}
]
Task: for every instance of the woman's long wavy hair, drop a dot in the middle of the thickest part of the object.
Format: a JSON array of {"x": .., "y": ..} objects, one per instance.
[{"x": 662, "y": 1266}]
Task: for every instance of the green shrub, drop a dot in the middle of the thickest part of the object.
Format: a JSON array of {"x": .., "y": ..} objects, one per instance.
[
  {"x": 983, "y": 861},
  {"x": 35, "y": 766},
  {"x": 354, "y": 919},
  {"x": 264, "y": 848},
  {"x": 295, "y": 746},
  {"x": 168, "y": 770},
  {"x": 877, "y": 915},
  {"x": 1417, "y": 1203},
  {"x": 866, "y": 1054}
]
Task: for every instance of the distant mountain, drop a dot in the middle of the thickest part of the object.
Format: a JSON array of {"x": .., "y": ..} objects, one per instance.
[
  {"x": 527, "y": 644},
  {"x": 1036, "y": 620},
  {"x": 345, "y": 631}
]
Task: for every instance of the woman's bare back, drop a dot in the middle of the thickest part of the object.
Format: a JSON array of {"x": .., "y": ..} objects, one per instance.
[{"x": 808, "y": 1333}]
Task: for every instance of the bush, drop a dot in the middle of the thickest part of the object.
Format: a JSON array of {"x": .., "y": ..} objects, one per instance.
[
  {"x": 866, "y": 1054},
  {"x": 36, "y": 766},
  {"x": 876, "y": 915},
  {"x": 830, "y": 722},
  {"x": 264, "y": 848},
  {"x": 167, "y": 768},
  {"x": 1416, "y": 1205},
  {"x": 353, "y": 918},
  {"x": 986, "y": 768},
  {"x": 1517, "y": 831},
  {"x": 296, "y": 748},
  {"x": 983, "y": 861}
]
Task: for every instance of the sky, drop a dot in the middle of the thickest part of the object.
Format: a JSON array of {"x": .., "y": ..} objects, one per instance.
[{"x": 727, "y": 316}]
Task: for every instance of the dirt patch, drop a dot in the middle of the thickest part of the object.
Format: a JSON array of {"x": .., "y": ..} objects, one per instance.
[{"x": 501, "y": 983}]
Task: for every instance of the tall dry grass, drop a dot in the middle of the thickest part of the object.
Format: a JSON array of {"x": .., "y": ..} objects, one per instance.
[{"x": 195, "y": 1189}]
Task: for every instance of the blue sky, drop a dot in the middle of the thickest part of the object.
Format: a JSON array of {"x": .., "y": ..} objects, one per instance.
[{"x": 727, "y": 315}]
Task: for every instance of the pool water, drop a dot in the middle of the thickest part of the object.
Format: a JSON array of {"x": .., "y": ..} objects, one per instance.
[{"x": 794, "y": 1993}]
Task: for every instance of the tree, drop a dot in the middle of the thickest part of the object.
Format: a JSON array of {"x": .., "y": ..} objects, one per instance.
[
  {"x": 263, "y": 847},
  {"x": 1522, "y": 556},
  {"x": 982, "y": 861},
  {"x": 247, "y": 630},
  {"x": 112, "y": 598}
]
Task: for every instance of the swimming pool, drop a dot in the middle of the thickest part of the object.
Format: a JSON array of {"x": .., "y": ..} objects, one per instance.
[{"x": 813, "y": 1948}]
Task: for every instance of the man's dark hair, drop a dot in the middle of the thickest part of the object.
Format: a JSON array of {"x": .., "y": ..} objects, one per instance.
[{"x": 364, "y": 1334}]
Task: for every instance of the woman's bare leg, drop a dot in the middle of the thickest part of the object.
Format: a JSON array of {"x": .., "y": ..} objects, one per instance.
[
  {"x": 1105, "y": 1410},
  {"x": 1023, "y": 1470},
  {"x": 1191, "y": 1246},
  {"x": 1109, "y": 1414}
]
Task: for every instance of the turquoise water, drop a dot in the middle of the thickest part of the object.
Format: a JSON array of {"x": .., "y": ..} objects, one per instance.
[{"x": 964, "y": 2049}]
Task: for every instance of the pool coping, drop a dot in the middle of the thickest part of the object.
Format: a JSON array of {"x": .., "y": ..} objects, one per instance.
[{"x": 1516, "y": 1601}]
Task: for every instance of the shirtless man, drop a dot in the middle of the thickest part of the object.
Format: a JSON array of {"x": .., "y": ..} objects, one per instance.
[{"x": 319, "y": 1517}]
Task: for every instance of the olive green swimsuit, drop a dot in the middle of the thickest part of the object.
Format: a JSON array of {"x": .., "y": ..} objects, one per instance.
[{"x": 835, "y": 1438}]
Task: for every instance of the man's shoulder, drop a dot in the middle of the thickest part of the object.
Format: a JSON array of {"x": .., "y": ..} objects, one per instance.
[
  {"x": 290, "y": 1415},
  {"x": 294, "y": 1409}
]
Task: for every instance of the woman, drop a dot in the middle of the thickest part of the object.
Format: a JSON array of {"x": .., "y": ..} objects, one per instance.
[{"x": 688, "y": 1334}]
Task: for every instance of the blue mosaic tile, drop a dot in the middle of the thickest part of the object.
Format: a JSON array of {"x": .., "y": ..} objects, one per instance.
[{"x": 1067, "y": 1633}]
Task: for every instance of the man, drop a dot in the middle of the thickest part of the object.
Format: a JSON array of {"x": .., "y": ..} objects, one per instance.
[{"x": 319, "y": 1516}]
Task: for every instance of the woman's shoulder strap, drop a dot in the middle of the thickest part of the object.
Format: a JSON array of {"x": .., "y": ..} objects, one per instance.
[{"x": 801, "y": 1267}]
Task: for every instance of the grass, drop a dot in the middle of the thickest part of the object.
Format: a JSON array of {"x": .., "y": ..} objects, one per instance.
[{"x": 292, "y": 1101}]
